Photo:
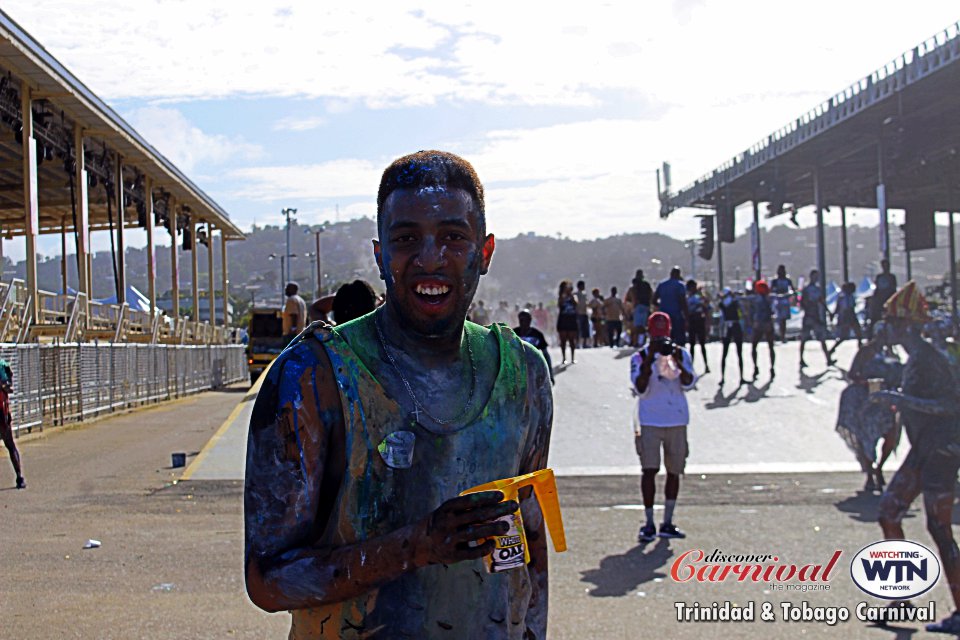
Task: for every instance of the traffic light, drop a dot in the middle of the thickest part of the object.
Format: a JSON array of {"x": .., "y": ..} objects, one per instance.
[
  {"x": 726, "y": 227},
  {"x": 706, "y": 237},
  {"x": 919, "y": 228}
]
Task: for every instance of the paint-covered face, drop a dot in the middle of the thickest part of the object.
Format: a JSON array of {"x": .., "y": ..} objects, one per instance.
[{"x": 431, "y": 256}]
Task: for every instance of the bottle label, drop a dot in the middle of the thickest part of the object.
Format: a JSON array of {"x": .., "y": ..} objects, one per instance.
[{"x": 510, "y": 548}]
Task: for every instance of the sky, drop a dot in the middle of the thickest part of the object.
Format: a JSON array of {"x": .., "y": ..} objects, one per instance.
[{"x": 566, "y": 109}]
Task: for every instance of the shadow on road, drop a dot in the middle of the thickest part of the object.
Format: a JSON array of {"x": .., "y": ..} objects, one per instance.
[
  {"x": 620, "y": 574},
  {"x": 862, "y": 507},
  {"x": 625, "y": 352},
  {"x": 755, "y": 393},
  {"x": 899, "y": 633},
  {"x": 809, "y": 384},
  {"x": 721, "y": 401}
]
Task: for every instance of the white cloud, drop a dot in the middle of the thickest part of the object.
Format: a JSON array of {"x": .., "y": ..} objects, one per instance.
[
  {"x": 335, "y": 179},
  {"x": 298, "y": 123},
  {"x": 492, "y": 52},
  {"x": 189, "y": 148}
]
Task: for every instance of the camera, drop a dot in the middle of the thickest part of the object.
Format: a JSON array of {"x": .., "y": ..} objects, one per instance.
[{"x": 663, "y": 346}]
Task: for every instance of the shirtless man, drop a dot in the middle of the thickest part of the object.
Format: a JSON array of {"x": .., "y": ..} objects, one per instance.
[{"x": 363, "y": 436}]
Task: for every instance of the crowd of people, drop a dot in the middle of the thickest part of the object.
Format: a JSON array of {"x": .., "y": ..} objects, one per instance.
[{"x": 757, "y": 314}]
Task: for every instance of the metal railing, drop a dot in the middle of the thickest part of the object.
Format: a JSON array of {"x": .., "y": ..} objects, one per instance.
[
  {"x": 71, "y": 317},
  {"x": 926, "y": 58},
  {"x": 55, "y": 384}
]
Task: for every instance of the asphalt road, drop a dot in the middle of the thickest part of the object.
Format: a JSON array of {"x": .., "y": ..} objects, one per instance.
[{"x": 170, "y": 564}]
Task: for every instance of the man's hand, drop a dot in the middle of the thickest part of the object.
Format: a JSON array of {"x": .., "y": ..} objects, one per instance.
[
  {"x": 678, "y": 356},
  {"x": 446, "y": 532}
]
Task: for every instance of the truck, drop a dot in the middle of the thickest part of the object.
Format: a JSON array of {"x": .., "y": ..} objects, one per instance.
[{"x": 265, "y": 340}]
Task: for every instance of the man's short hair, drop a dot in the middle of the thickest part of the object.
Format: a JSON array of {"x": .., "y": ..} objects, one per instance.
[{"x": 432, "y": 169}]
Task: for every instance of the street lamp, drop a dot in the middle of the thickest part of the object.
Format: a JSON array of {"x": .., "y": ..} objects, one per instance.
[
  {"x": 283, "y": 272},
  {"x": 313, "y": 256},
  {"x": 287, "y": 213},
  {"x": 318, "y": 285}
]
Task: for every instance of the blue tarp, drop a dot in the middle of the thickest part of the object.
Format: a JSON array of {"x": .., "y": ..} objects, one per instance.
[{"x": 135, "y": 299}]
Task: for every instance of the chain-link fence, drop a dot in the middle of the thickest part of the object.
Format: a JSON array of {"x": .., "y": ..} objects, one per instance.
[{"x": 59, "y": 383}]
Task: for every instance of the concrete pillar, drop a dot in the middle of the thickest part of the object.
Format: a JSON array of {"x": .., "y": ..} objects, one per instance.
[{"x": 30, "y": 201}]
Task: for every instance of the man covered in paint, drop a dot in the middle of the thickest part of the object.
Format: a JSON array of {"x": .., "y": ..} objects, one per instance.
[
  {"x": 362, "y": 437},
  {"x": 929, "y": 405}
]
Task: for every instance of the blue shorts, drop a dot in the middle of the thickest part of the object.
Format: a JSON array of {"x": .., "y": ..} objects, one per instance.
[{"x": 641, "y": 313}]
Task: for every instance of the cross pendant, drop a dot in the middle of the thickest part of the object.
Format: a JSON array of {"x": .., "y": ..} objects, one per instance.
[{"x": 416, "y": 413}]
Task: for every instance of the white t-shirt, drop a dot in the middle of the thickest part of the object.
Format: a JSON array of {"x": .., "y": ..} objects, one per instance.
[{"x": 663, "y": 403}]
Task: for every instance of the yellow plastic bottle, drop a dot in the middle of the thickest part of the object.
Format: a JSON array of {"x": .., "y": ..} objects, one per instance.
[{"x": 510, "y": 550}]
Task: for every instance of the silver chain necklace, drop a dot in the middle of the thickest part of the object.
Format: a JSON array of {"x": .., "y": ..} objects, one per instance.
[{"x": 417, "y": 406}]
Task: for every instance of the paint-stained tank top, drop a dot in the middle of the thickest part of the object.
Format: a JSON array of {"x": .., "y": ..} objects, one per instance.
[{"x": 439, "y": 601}]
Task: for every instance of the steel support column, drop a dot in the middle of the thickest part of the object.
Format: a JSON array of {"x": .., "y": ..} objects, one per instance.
[
  {"x": 151, "y": 256},
  {"x": 224, "y": 280},
  {"x": 845, "y": 249},
  {"x": 821, "y": 236},
  {"x": 953, "y": 253},
  {"x": 758, "y": 261},
  {"x": 953, "y": 270},
  {"x": 63, "y": 255},
  {"x": 882, "y": 203},
  {"x": 174, "y": 259},
  {"x": 30, "y": 200},
  {"x": 716, "y": 220},
  {"x": 121, "y": 241},
  {"x": 210, "y": 292},
  {"x": 82, "y": 194},
  {"x": 194, "y": 268}
]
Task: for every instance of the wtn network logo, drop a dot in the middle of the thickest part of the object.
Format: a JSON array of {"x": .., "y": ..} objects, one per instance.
[{"x": 895, "y": 569}]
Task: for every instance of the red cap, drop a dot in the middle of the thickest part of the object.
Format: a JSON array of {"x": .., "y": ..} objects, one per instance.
[
  {"x": 658, "y": 325},
  {"x": 761, "y": 287}
]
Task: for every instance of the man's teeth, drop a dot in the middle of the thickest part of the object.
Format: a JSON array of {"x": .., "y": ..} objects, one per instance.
[{"x": 432, "y": 291}]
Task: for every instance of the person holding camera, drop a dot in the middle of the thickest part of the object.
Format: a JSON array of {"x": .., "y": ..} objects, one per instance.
[{"x": 661, "y": 373}]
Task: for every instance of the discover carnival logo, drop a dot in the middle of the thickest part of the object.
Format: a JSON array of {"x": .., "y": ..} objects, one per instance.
[{"x": 895, "y": 569}]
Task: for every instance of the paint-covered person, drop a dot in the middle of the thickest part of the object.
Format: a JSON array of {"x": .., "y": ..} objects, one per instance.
[
  {"x": 6, "y": 422},
  {"x": 294, "y": 315},
  {"x": 363, "y": 436},
  {"x": 929, "y": 406}
]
